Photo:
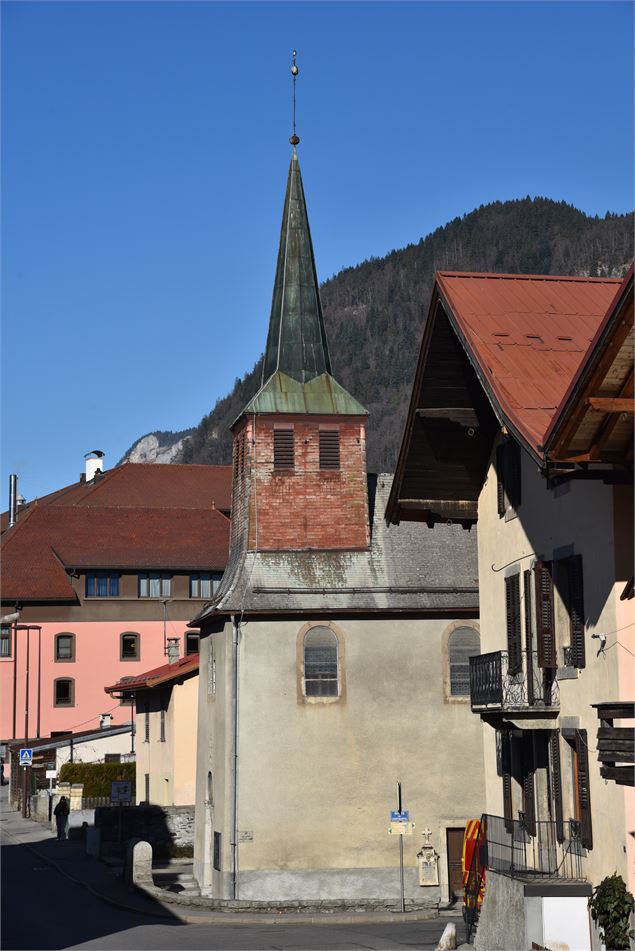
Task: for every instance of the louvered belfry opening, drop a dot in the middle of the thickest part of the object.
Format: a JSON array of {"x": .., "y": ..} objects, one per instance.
[
  {"x": 283, "y": 448},
  {"x": 329, "y": 449}
]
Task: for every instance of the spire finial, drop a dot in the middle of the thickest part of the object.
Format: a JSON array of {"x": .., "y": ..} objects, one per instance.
[{"x": 294, "y": 72}]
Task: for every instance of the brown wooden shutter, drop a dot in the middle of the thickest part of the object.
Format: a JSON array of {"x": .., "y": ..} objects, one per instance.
[
  {"x": 512, "y": 473},
  {"x": 329, "y": 449},
  {"x": 546, "y": 634},
  {"x": 556, "y": 783},
  {"x": 529, "y": 637},
  {"x": 576, "y": 610},
  {"x": 512, "y": 610},
  {"x": 283, "y": 454},
  {"x": 500, "y": 479},
  {"x": 584, "y": 790},
  {"x": 529, "y": 798},
  {"x": 506, "y": 756}
]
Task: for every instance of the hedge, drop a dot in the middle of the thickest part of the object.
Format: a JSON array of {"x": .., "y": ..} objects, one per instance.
[{"x": 97, "y": 777}]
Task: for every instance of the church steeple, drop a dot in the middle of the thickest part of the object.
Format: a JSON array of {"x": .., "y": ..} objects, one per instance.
[{"x": 296, "y": 343}]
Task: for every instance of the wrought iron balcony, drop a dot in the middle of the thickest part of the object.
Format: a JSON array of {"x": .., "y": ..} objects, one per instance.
[{"x": 525, "y": 687}]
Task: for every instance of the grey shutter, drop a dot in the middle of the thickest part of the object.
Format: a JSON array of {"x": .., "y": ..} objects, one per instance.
[
  {"x": 512, "y": 611},
  {"x": 544, "y": 615},
  {"x": 556, "y": 783},
  {"x": 507, "y": 780},
  {"x": 576, "y": 610},
  {"x": 584, "y": 791},
  {"x": 500, "y": 479}
]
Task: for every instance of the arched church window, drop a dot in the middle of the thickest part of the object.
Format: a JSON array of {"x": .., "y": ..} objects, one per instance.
[
  {"x": 321, "y": 663},
  {"x": 463, "y": 643}
]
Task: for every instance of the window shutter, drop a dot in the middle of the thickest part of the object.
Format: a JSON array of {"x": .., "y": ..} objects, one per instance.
[
  {"x": 544, "y": 615},
  {"x": 529, "y": 800},
  {"x": 512, "y": 609},
  {"x": 500, "y": 479},
  {"x": 283, "y": 454},
  {"x": 556, "y": 783},
  {"x": 507, "y": 780},
  {"x": 576, "y": 610},
  {"x": 329, "y": 449},
  {"x": 512, "y": 472},
  {"x": 529, "y": 637},
  {"x": 584, "y": 791}
]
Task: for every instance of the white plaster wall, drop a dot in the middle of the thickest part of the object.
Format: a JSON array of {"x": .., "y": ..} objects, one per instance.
[
  {"x": 582, "y": 516},
  {"x": 565, "y": 924},
  {"x": 317, "y": 780},
  {"x": 92, "y": 751}
]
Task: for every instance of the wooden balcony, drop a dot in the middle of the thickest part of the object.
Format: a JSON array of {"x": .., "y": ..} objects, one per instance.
[
  {"x": 615, "y": 744},
  {"x": 525, "y": 690}
]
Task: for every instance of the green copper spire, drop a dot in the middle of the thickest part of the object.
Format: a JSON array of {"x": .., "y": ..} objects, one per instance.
[{"x": 296, "y": 344}]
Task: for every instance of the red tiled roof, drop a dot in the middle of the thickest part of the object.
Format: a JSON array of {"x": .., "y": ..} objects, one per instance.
[
  {"x": 527, "y": 335},
  {"x": 158, "y": 675},
  {"x": 49, "y": 539}
]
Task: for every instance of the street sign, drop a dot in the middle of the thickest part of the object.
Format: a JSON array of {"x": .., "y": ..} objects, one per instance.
[
  {"x": 120, "y": 791},
  {"x": 400, "y": 822},
  {"x": 26, "y": 757},
  {"x": 51, "y": 774},
  {"x": 397, "y": 816}
]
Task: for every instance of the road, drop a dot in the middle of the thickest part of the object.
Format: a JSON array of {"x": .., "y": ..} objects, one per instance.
[{"x": 42, "y": 909}]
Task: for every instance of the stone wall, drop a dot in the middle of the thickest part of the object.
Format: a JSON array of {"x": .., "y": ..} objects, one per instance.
[{"x": 164, "y": 827}]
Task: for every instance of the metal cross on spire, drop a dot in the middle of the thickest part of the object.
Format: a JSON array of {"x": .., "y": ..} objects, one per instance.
[{"x": 294, "y": 72}]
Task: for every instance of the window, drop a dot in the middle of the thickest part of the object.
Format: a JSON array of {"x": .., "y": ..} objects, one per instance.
[
  {"x": 130, "y": 646},
  {"x": 191, "y": 643},
  {"x": 283, "y": 449},
  {"x": 561, "y": 636},
  {"x": 64, "y": 692},
  {"x": 508, "y": 467},
  {"x": 205, "y": 584},
  {"x": 64, "y": 647},
  {"x": 112, "y": 757},
  {"x": 146, "y": 783},
  {"x": 102, "y": 585},
  {"x": 146, "y": 721},
  {"x": 5, "y": 641},
  {"x": 162, "y": 725},
  {"x": 463, "y": 643},
  {"x": 321, "y": 663},
  {"x": 217, "y": 851},
  {"x": 329, "y": 449},
  {"x": 155, "y": 585}
]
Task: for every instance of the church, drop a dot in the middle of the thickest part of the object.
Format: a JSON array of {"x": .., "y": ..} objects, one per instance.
[{"x": 334, "y": 656}]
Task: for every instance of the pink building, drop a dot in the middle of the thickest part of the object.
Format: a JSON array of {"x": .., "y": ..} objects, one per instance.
[{"x": 102, "y": 574}]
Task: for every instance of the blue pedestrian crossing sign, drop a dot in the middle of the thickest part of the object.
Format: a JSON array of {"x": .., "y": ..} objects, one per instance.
[{"x": 26, "y": 757}]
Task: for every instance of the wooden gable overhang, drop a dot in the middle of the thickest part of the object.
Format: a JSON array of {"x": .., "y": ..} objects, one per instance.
[
  {"x": 449, "y": 433},
  {"x": 594, "y": 422}
]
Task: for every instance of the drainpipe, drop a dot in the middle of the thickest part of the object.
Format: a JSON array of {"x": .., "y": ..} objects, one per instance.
[
  {"x": 234, "y": 770},
  {"x": 13, "y": 499}
]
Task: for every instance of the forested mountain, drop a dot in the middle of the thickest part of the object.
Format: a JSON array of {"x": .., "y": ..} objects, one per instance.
[{"x": 374, "y": 312}]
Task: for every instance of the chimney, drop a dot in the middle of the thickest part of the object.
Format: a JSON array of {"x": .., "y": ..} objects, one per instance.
[
  {"x": 13, "y": 499},
  {"x": 94, "y": 464},
  {"x": 173, "y": 649},
  {"x": 104, "y": 721}
]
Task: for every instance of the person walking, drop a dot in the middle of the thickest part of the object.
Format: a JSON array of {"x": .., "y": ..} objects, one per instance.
[{"x": 61, "y": 818}]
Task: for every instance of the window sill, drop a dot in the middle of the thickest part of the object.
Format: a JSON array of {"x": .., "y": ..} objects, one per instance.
[{"x": 320, "y": 700}]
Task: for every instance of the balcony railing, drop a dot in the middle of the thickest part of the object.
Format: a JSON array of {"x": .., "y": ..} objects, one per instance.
[{"x": 493, "y": 685}]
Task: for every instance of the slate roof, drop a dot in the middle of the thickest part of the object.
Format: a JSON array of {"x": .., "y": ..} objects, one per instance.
[
  {"x": 405, "y": 570},
  {"x": 164, "y": 674},
  {"x": 527, "y": 335}
]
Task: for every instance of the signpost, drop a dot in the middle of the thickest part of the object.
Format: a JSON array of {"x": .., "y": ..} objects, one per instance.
[
  {"x": 120, "y": 791},
  {"x": 401, "y": 825},
  {"x": 26, "y": 757}
]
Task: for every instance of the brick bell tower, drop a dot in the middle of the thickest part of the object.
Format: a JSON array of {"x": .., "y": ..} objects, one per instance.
[{"x": 299, "y": 452}]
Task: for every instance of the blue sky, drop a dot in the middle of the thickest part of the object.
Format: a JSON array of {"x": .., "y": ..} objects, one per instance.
[{"x": 144, "y": 158}]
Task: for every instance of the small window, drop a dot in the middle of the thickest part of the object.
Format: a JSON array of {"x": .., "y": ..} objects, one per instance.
[
  {"x": 64, "y": 692},
  {"x": 154, "y": 585},
  {"x": 102, "y": 585},
  {"x": 130, "y": 646},
  {"x": 205, "y": 584},
  {"x": 217, "y": 851},
  {"x": 64, "y": 647},
  {"x": 320, "y": 663},
  {"x": 508, "y": 472},
  {"x": 112, "y": 757},
  {"x": 146, "y": 721},
  {"x": 329, "y": 449},
  {"x": 283, "y": 449},
  {"x": 5, "y": 641},
  {"x": 192, "y": 642},
  {"x": 463, "y": 643},
  {"x": 162, "y": 725},
  {"x": 146, "y": 784}
]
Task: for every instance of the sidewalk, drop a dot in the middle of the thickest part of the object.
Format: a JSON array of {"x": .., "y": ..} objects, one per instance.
[{"x": 71, "y": 860}]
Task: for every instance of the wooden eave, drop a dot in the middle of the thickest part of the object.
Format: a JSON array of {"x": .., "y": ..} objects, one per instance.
[{"x": 595, "y": 420}]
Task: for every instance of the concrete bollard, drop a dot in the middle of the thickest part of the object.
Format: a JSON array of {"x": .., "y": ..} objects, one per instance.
[
  {"x": 139, "y": 863},
  {"x": 448, "y": 938}
]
